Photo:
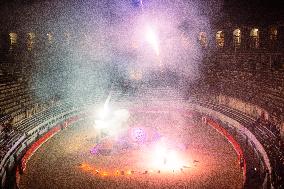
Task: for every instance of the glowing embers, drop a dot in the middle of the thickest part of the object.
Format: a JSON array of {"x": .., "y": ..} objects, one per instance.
[
  {"x": 86, "y": 167},
  {"x": 89, "y": 168},
  {"x": 96, "y": 171},
  {"x": 103, "y": 173}
]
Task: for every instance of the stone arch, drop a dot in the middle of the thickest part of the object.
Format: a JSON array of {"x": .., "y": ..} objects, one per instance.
[
  {"x": 30, "y": 40},
  {"x": 237, "y": 38},
  {"x": 254, "y": 38},
  {"x": 50, "y": 38},
  {"x": 203, "y": 40},
  {"x": 13, "y": 40},
  {"x": 273, "y": 32},
  {"x": 220, "y": 39},
  {"x": 273, "y": 36}
]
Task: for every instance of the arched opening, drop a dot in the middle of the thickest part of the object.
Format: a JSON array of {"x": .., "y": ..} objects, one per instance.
[
  {"x": 220, "y": 39},
  {"x": 13, "y": 38},
  {"x": 254, "y": 38},
  {"x": 203, "y": 39},
  {"x": 237, "y": 38},
  {"x": 67, "y": 36},
  {"x": 273, "y": 36},
  {"x": 273, "y": 33},
  {"x": 30, "y": 40},
  {"x": 185, "y": 40},
  {"x": 49, "y": 38}
]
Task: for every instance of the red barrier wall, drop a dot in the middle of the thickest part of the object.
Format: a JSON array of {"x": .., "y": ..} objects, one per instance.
[
  {"x": 231, "y": 139},
  {"x": 32, "y": 149}
]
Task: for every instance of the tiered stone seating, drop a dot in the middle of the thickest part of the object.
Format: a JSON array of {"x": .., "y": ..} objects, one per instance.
[
  {"x": 18, "y": 101},
  {"x": 267, "y": 138},
  {"x": 148, "y": 94},
  {"x": 254, "y": 88},
  {"x": 8, "y": 139},
  {"x": 252, "y": 79},
  {"x": 29, "y": 123}
]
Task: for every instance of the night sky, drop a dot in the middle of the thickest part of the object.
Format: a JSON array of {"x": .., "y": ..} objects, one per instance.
[{"x": 253, "y": 12}]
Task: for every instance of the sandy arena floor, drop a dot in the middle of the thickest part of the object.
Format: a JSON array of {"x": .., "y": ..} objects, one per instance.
[{"x": 65, "y": 160}]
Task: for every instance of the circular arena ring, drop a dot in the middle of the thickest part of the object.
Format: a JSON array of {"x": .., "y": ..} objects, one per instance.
[{"x": 156, "y": 147}]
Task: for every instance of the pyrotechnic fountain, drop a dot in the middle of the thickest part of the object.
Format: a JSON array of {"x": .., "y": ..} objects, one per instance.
[{"x": 116, "y": 135}]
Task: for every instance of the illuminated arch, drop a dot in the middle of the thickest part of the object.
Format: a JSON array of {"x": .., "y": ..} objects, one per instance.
[
  {"x": 237, "y": 38},
  {"x": 202, "y": 37},
  {"x": 220, "y": 39},
  {"x": 49, "y": 37},
  {"x": 273, "y": 33},
  {"x": 30, "y": 40},
  {"x": 13, "y": 38},
  {"x": 254, "y": 38},
  {"x": 67, "y": 36}
]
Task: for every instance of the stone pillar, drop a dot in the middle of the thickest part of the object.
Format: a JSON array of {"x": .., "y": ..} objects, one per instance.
[
  {"x": 264, "y": 38},
  {"x": 280, "y": 39},
  {"x": 228, "y": 38},
  {"x": 282, "y": 131},
  {"x": 245, "y": 38}
]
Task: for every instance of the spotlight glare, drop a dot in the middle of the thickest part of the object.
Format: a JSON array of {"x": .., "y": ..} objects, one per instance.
[
  {"x": 103, "y": 112},
  {"x": 152, "y": 39},
  {"x": 166, "y": 159}
]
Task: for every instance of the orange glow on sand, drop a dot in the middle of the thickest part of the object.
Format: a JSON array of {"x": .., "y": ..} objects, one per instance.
[{"x": 86, "y": 167}]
